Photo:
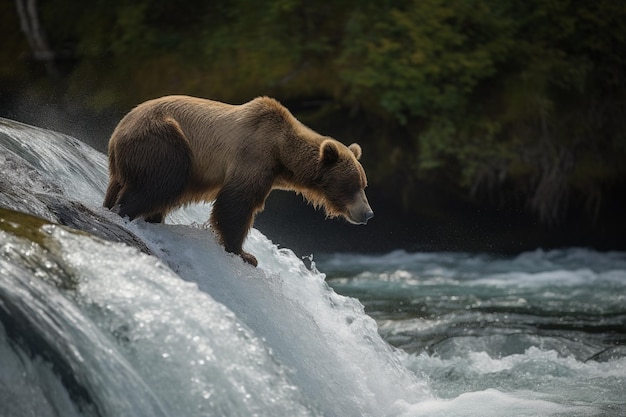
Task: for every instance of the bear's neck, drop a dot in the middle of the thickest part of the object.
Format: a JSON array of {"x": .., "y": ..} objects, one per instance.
[{"x": 299, "y": 167}]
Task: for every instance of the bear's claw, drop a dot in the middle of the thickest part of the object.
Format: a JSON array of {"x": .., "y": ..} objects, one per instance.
[{"x": 249, "y": 258}]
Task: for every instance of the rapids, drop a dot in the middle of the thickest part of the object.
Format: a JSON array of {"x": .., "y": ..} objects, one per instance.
[{"x": 100, "y": 316}]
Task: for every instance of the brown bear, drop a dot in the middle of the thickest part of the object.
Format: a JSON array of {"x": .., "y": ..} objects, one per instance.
[{"x": 177, "y": 150}]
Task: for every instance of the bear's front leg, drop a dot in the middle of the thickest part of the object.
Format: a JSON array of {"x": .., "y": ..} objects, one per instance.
[{"x": 233, "y": 214}]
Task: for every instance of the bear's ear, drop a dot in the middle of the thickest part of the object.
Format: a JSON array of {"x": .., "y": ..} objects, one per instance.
[
  {"x": 356, "y": 150},
  {"x": 329, "y": 154}
]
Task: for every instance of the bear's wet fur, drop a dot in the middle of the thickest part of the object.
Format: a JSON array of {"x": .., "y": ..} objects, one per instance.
[{"x": 177, "y": 150}]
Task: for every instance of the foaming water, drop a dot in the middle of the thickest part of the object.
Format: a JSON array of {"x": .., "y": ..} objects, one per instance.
[
  {"x": 94, "y": 328},
  {"x": 543, "y": 325},
  {"x": 225, "y": 339}
]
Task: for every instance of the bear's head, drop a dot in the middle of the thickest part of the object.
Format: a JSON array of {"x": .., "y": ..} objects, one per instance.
[{"x": 342, "y": 182}]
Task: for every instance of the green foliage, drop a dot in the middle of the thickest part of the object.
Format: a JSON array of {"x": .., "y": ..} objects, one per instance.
[
  {"x": 520, "y": 100},
  {"x": 423, "y": 57},
  {"x": 502, "y": 97}
]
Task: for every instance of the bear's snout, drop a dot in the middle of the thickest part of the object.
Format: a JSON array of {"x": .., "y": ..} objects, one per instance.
[
  {"x": 359, "y": 212},
  {"x": 363, "y": 217},
  {"x": 360, "y": 217}
]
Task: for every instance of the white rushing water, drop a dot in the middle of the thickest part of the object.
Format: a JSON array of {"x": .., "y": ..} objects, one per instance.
[
  {"x": 547, "y": 326},
  {"x": 95, "y": 328}
]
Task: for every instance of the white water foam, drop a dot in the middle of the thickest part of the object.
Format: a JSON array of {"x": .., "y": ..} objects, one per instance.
[{"x": 330, "y": 343}]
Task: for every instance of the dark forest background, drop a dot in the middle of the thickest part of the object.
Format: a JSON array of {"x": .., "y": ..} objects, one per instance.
[{"x": 487, "y": 125}]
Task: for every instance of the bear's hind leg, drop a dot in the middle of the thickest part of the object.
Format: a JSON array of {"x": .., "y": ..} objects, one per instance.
[
  {"x": 149, "y": 202},
  {"x": 115, "y": 185},
  {"x": 156, "y": 171},
  {"x": 135, "y": 203},
  {"x": 155, "y": 218},
  {"x": 111, "y": 196}
]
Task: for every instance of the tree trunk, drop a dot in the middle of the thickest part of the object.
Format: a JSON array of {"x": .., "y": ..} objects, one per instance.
[{"x": 35, "y": 35}]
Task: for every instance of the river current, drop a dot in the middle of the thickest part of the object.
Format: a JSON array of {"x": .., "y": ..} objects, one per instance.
[{"x": 100, "y": 316}]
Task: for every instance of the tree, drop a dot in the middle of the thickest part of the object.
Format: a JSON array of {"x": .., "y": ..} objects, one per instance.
[
  {"x": 27, "y": 11},
  {"x": 515, "y": 102}
]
